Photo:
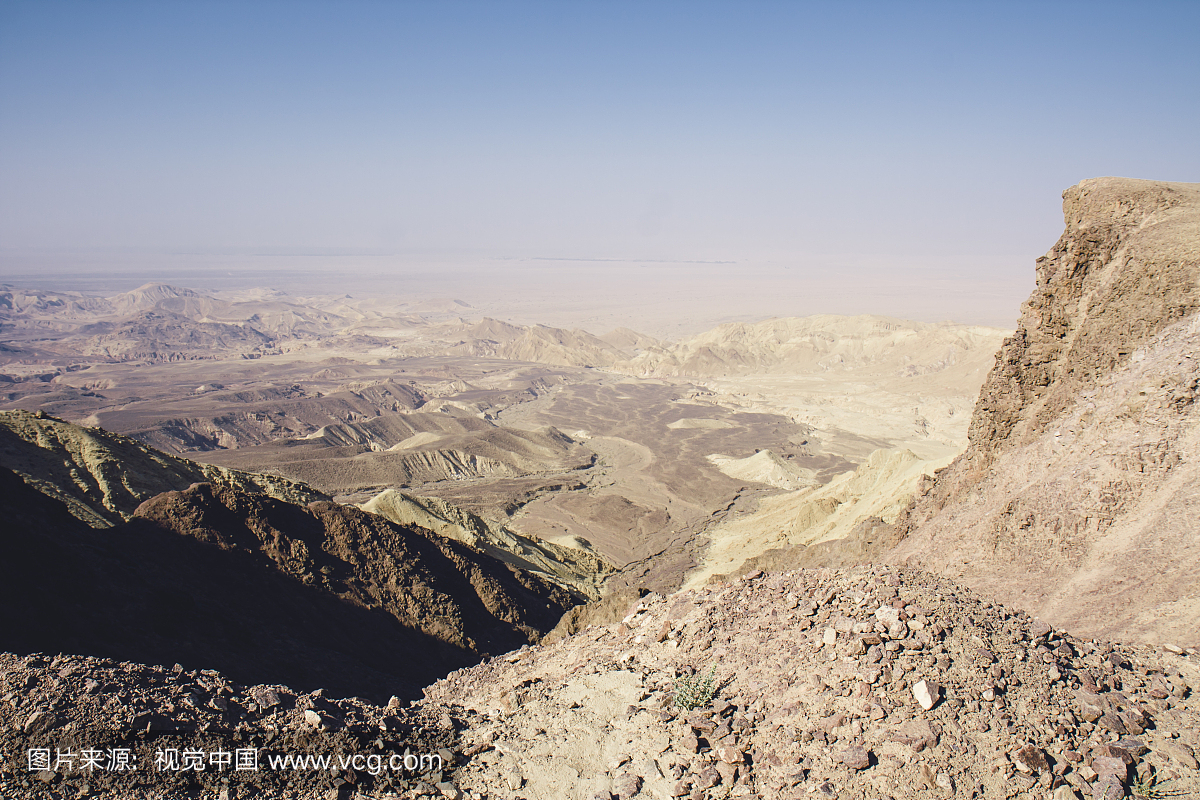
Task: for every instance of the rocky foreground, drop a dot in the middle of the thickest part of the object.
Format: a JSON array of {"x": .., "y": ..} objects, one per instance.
[{"x": 870, "y": 683}]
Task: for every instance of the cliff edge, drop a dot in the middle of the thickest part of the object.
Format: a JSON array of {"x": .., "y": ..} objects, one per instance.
[{"x": 1076, "y": 497}]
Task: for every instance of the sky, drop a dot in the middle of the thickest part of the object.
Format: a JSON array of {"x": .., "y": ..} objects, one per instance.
[{"x": 903, "y": 152}]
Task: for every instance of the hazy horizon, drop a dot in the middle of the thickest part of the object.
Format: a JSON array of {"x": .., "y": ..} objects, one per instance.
[{"x": 717, "y": 158}]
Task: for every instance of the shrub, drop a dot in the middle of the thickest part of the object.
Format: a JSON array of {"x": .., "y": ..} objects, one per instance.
[{"x": 695, "y": 690}]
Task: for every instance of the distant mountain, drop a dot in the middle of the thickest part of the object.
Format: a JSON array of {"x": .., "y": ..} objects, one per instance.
[{"x": 821, "y": 343}]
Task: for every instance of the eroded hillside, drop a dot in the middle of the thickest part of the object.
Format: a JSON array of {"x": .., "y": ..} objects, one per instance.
[{"x": 1075, "y": 497}]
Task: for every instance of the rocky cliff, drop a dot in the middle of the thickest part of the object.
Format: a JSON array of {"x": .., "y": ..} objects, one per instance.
[{"x": 1075, "y": 498}]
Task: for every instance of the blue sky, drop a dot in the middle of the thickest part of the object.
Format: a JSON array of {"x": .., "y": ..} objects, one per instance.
[{"x": 902, "y": 137}]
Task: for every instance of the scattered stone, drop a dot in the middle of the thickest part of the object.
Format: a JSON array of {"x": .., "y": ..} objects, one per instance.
[
  {"x": 628, "y": 786},
  {"x": 857, "y": 758},
  {"x": 1108, "y": 766},
  {"x": 39, "y": 722},
  {"x": 1107, "y": 789},
  {"x": 730, "y": 755},
  {"x": 1030, "y": 759},
  {"x": 266, "y": 698},
  {"x": 926, "y": 694}
]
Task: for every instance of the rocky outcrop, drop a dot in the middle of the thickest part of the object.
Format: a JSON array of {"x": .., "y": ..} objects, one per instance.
[
  {"x": 1074, "y": 498},
  {"x": 102, "y": 477},
  {"x": 1124, "y": 270}
]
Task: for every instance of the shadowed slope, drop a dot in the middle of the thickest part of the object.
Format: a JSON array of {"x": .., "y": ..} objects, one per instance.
[{"x": 325, "y": 596}]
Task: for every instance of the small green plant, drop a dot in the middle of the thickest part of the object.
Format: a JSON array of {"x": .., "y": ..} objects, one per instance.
[
  {"x": 1145, "y": 788},
  {"x": 695, "y": 690}
]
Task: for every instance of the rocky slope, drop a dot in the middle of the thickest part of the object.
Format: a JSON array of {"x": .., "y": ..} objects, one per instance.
[
  {"x": 1075, "y": 498},
  {"x": 102, "y": 477},
  {"x": 71, "y": 703},
  {"x": 312, "y": 596},
  {"x": 112, "y": 548},
  {"x": 864, "y": 683}
]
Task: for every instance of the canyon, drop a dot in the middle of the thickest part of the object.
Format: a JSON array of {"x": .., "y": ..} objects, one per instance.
[{"x": 909, "y": 558}]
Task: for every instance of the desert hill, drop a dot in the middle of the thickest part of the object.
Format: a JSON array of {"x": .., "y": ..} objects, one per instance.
[
  {"x": 312, "y": 596},
  {"x": 403, "y": 449},
  {"x": 818, "y": 344},
  {"x": 103, "y": 477},
  {"x": 341, "y": 598},
  {"x": 874, "y": 494},
  {"x": 579, "y": 569}
]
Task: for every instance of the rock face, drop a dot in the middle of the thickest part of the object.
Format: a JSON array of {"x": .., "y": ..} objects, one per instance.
[{"x": 1075, "y": 497}]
